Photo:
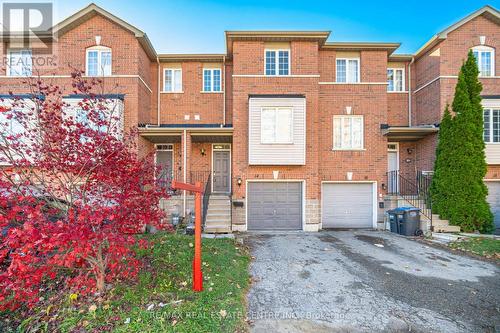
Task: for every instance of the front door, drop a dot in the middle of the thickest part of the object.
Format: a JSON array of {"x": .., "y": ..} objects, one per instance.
[
  {"x": 164, "y": 164},
  {"x": 221, "y": 170},
  {"x": 392, "y": 167}
]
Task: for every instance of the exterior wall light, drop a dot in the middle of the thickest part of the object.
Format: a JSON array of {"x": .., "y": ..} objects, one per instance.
[
  {"x": 202, "y": 151},
  {"x": 239, "y": 181}
]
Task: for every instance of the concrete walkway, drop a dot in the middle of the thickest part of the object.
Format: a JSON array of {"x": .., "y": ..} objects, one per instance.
[{"x": 367, "y": 281}]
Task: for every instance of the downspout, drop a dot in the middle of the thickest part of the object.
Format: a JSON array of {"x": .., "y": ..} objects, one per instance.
[
  {"x": 409, "y": 92},
  {"x": 224, "y": 90},
  {"x": 184, "y": 173},
  {"x": 158, "y": 103}
]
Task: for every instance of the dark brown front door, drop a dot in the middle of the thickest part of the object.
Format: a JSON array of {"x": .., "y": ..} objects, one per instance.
[{"x": 221, "y": 173}]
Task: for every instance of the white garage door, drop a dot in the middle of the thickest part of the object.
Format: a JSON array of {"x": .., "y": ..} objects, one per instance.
[
  {"x": 347, "y": 205},
  {"x": 494, "y": 201}
]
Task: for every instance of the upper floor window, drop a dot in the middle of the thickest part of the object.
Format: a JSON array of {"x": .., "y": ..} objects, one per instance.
[
  {"x": 485, "y": 57},
  {"x": 276, "y": 125},
  {"x": 19, "y": 63},
  {"x": 212, "y": 80},
  {"x": 395, "y": 79},
  {"x": 277, "y": 62},
  {"x": 172, "y": 80},
  {"x": 347, "y": 132},
  {"x": 98, "y": 61},
  {"x": 491, "y": 125},
  {"x": 347, "y": 70}
]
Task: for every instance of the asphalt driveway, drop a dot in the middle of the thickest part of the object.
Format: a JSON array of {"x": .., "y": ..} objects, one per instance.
[{"x": 367, "y": 281}]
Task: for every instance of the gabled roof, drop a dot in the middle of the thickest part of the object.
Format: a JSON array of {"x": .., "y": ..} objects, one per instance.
[
  {"x": 92, "y": 10},
  {"x": 488, "y": 11}
]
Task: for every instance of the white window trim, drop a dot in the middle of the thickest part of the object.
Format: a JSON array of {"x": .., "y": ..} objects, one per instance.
[
  {"x": 173, "y": 91},
  {"x": 491, "y": 125},
  {"x": 358, "y": 78},
  {"x": 403, "y": 87},
  {"x": 99, "y": 49},
  {"x": 211, "y": 69},
  {"x": 484, "y": 48},
  {"x": 362, "y": 133},
  {"x": 291, "y": 125},
  {"x": 277, "y": 61},
  {"x": 9, "y": 55}
]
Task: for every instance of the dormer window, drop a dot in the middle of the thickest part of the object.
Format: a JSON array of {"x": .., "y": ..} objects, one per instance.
[
  {"x": 485, "y": 57},
  {"x": 98, "y": 61}
]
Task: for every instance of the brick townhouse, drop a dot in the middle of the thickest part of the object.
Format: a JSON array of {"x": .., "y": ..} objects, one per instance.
[{"x": 286, "y": 130}]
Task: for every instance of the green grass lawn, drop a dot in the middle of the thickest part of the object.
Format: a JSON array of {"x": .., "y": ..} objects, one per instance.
[
  {"x": 486, "y": 247},
  {"x": 161, "y": 300}
]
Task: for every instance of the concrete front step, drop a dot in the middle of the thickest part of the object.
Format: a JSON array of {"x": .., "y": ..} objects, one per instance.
[
  {"x": 446, "y": 228},
  {"x": 217, "y": 230}
]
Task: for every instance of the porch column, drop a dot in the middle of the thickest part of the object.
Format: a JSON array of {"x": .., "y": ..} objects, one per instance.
[{"x": 186, "y": 163}]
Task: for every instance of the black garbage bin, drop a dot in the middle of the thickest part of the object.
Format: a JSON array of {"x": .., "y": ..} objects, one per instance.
[
  {"x": 405, "y": 221},
  {"x": 395, "y": 219}
]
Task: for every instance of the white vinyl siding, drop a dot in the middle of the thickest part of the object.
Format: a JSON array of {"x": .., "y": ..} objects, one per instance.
[
  {"x": 277, "y": 62},
  {"x": 172, "y": 80},
  {"x": 395, "y": 79},
  {"x": 485, "y": 57},
  {"x": 212, "y": 80},
  {"x": 277, "y": 132},
  {"x": 347, "y": 132},
  {"x": 98, "y": 61},
  {"x": 276, "y": 125},
  {"x": 491, "y": 133},
  {"x": 20, "y": 63},
  {"x": 347, "y": 70}
]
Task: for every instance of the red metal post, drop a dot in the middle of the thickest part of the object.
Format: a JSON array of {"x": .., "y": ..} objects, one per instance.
[
  {"x": 197, "y": 274},
  {"x": 198, "y": 190}
]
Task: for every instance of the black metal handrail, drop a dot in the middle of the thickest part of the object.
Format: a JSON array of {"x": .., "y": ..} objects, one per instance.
[
  {"x": 416, "y": 193},
  {"x": 206, "y": 196}
]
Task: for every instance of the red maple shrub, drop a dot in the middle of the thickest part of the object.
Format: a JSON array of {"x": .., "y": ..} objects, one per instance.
[{"x": 73, "y": 191}]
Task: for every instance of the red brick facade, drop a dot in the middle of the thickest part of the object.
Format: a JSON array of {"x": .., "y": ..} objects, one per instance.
[{"x": 193, "y": 120}]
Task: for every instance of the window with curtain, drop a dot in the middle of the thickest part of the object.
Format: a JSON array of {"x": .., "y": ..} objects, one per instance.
[
  {"x": 395, "y": 79},
  {"x": 212, "y": 80},
  {"x": 347, "y": 132},
  {"x": 276, "y": 125},
  {"x": 20, "y": 63},
  {"x": 98, "y": 62},
  {"x": 491, "y": 132},
  {"x": 347, "y": 70},
  {"x": 172, "y": 78},
  {"x": 485, "y": 57}
]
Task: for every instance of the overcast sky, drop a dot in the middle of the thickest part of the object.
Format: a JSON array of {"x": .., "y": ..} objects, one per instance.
[{"x": 177, "y": 26}]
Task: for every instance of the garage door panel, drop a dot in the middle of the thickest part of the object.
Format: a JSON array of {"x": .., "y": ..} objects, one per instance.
[
  {"x": 347, "y": 205},
  {"x": 274, "y": 206},
  {"x": 494, "y": 201}
]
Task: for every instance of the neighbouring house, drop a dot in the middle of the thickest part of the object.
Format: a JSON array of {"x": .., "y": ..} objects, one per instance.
[{"x": 286, "y": 130}]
